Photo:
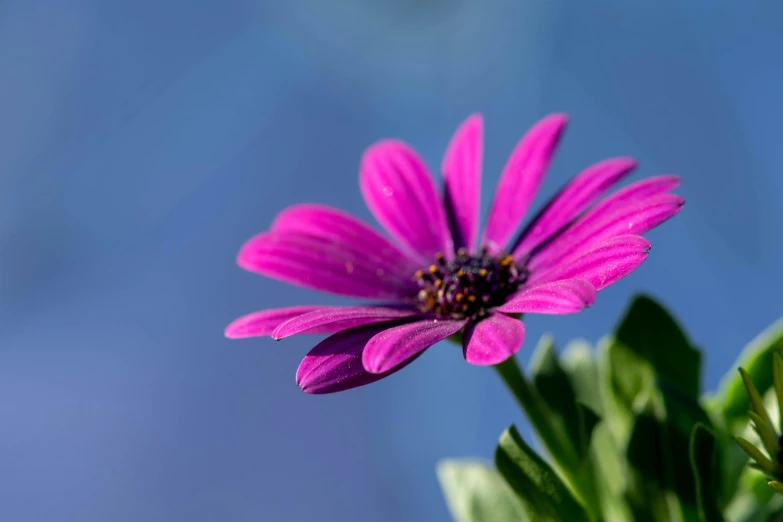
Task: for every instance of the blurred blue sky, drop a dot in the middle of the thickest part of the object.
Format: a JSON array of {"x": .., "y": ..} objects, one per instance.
[{"x": 142, "y": 142}]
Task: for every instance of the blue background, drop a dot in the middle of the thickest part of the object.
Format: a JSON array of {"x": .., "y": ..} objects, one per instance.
[{"x": 142, "y": 142}]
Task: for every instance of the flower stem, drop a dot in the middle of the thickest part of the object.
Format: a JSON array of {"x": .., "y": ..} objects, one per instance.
[
  {"x": 519, "y": 386},
  {"x": 536, "y": 411}
]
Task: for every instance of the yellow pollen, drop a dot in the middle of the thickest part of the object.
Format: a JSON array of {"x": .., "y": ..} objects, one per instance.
[{"x": 467, "y": 285}]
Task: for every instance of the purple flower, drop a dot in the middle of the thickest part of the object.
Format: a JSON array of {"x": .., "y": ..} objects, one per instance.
[{"x": 441, "y": 277}]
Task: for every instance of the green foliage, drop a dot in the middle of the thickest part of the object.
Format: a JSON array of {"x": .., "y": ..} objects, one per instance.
[
  {"x": 706, "y": 466},
  {"x": 629, "y": 434},
  {"x": 649, "y": 477},
  {"x": 475, "y": 492},
  {"x": 732, "y": 402},
  {"x": 567, "y": 414},
  {"x": 544, "y": 496},
  {"x": 650, "y": 337},
  {"x": 648, "y": 349}
]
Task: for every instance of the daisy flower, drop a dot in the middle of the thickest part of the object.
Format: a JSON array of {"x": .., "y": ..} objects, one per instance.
[{"x": 438, "y": 276}]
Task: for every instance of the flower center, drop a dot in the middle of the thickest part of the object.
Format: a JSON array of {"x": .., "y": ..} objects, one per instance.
[{"x": 468, "y": 286}]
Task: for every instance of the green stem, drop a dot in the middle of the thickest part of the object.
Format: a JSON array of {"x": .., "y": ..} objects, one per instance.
[
  {"x": 558, "y": 447},
  {"x": 526, "y": 396}
]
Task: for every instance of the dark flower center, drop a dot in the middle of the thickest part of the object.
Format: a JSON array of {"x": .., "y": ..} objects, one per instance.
[{"x": 468, "y": 286}]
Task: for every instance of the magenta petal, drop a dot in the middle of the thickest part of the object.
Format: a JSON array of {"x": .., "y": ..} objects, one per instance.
[
  {"x": 462, "y": 174},
  {"x": 493, "y": 339},
  {"x": 596, "y": 228},
  {"x": 335, "y": 364},
  {"x": 402, "y": 196},
  {"x": 638, "y": 191},
  {"x": 335, "y": 319},
  {"x": 558, "y": 297},
  {"x": 394, "y": 346},
  {"x": 605, "y": 264},
  {"x": 263, "y": 323},
  {"x": 579, "y": 194},
  {"x": 520, "y": 180},
  {"x": 326, "y": 264},
  {"x": 332, "y": 223}
]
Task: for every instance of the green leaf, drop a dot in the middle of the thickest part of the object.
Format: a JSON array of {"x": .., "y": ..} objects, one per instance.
[
  {"x": 588, "y": 420},
  {"x": 569, "y": 418},
  {"x": 554, "y": 387},
  {"x": 647, "y": 348},
  {"x": 563, "y": 446},
  {"x": 747, "y": 507},
  {"x": 732, "y": 403},
  {"x": 609, "y": 470},
  {"x": 706, "y": 466},
  {"x": 475, "y": 492},
  {"x": 649, "y": 472},
  {"x": 580, "y": 364},
  {"x": 542, "y": 493},
  {"x": 756, "y": 358},
  {"x": 775, "y": 509},
  {"x": 554, "y": 438},
  {"x": 683, "y": 414},
  {"x": 566, "y": 413},
  {"x": 605, "y": 469},
  {"x": 656, "y": 341},
  {"x": 662, "y": 485}
]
